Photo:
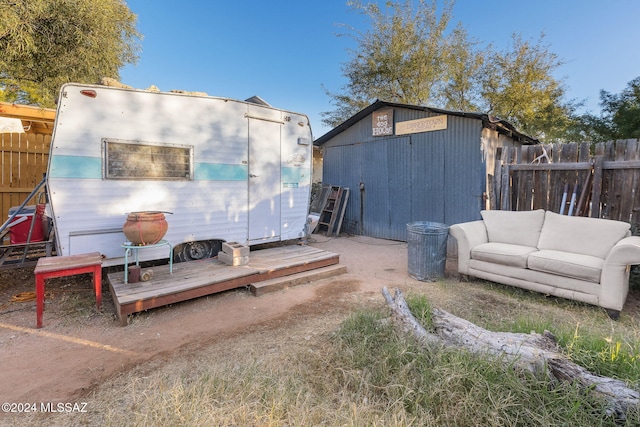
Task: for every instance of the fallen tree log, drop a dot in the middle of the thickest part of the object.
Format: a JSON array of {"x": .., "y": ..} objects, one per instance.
[{"x": 534, "y": 352}]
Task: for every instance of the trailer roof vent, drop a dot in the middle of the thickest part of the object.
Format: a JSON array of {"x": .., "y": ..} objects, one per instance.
[{"x": 257, "y": 100}]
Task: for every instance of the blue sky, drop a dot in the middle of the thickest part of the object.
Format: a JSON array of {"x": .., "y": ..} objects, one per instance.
[{"x": 289, "y": 52}]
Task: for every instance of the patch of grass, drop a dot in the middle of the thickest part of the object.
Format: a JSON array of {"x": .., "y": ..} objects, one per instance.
[
  {"x": 615, "y": 354},
  {"x": 421, "y": 309},
  {"x": 457, "y": 388},
  {"x": 445, "y": 387},
  {"x": 364, "y": 373}
]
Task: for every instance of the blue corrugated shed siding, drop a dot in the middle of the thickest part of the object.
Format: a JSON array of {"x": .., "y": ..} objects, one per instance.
[
  {"x": 342, "y": 166},
  {"x": 465, "y": 171},
  {"x": 432, "y": 176},
  {"x": 399, "y": 187},
  {"x": 376, "y": 189}
]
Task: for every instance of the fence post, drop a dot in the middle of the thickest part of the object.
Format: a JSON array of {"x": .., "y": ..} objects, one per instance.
[
  {"x": 597, "y": 186},
  {"x": 505, "y": 193}
]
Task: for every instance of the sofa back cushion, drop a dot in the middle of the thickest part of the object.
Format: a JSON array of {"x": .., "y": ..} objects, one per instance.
[
  {"x": 580, "y": 235},
  {"x": 514, "y": 227}
]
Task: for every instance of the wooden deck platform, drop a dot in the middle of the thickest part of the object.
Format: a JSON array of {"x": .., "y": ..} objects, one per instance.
[{"x": 199, "y": 278}]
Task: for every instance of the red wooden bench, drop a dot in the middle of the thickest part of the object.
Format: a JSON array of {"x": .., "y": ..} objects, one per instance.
[{"x": 61, "y": 266}]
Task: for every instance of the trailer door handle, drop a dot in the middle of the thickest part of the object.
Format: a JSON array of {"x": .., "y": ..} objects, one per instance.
[{"x": 252, "y": 175}]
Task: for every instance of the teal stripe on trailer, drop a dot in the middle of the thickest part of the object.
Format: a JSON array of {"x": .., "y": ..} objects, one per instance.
[
  {"x": 220, "y": 172},
  {"x": 293, "y": 176},
  {"x": 79, "y": 167}
]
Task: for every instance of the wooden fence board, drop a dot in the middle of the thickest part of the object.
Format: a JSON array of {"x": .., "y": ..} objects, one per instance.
[
  {"x": 605, "y": 181},
  {"x": 634, "y": 155},
  {"x": 540, "y": 180},
  {"x": 509, "y": 156},
  {"x": 23, "y": 156},
  {"x": 23, "y": 162},
  {"x": 616, "y": 186},
  {"x": 597, "y": 186},
  {"x": 494, "y": 197},
  {"x": 555, "y": 191},
  {"x": 626, "y": 182},
  {"x": 527, "y": 197}
]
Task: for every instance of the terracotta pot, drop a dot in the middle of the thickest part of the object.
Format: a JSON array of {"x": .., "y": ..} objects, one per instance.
[{"x": 145, "y": 228}]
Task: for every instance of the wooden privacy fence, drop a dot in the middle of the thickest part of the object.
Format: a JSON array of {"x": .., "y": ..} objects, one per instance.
[
  {"x": 24, "y": 155},
  {"x": 23, "y": 162},
  {"x": 577, "y": 179}
]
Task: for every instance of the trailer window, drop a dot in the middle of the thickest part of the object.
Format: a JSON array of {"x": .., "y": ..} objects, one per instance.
[{"x": 136, "y": 160}]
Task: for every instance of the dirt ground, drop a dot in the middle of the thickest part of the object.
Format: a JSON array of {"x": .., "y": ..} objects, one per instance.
[{"x": 80, "y": 348}]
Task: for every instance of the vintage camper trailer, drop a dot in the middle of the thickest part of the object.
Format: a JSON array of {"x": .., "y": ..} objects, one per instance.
[{"x": 220, "y": 169}]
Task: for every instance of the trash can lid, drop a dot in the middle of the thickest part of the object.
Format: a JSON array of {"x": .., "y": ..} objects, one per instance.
[{"x": 427, "y": 227}]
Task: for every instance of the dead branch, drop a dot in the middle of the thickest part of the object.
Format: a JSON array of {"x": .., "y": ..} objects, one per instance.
[{"x": 534, "y": 352}]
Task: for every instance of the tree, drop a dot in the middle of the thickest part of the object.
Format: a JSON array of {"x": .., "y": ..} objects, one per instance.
[
  {"x": 518, "y": 86},
  {"x": 465, "y": 65},
  {"x": 401, "y": 59},
  {"x": 410, "y": 56},
  {"x": 46, "y": 43},
  {"x": 620, "y": 117}
]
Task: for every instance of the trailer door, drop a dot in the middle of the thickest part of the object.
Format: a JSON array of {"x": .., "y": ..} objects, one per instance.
[{"x": 264, "y": 180}]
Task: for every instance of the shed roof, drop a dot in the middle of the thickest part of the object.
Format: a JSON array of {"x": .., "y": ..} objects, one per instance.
[{"x": 488, "y": 121}]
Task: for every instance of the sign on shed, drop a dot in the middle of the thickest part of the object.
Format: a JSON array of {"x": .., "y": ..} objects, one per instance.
[
  {"x": 382, "y": 122},
  {"x": 427, "y": 124}
]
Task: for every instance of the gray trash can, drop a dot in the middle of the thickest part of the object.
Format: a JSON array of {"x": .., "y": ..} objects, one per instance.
[{"x": 427, "y": 244}]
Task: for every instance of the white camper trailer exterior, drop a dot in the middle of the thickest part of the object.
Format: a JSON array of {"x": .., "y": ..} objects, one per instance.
[{"x": 226, "y": 170}]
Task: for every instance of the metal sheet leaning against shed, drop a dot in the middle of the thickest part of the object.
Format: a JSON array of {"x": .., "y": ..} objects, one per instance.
[{"x": 89, "y": 207}]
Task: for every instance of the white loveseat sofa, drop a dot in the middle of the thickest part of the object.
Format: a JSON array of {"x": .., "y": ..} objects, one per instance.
[{"x": 583, "y": 259}]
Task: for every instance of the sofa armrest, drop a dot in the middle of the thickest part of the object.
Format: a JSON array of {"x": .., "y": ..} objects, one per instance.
[
  {"x": 615, "y": 272},
  {"x": 468, "y": 235},
  {"x": 625, "y": 252}
]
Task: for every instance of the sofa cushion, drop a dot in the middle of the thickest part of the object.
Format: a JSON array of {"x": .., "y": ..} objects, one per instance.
[
  {"x": 578, "y": 266},
  {"x": 514, "y": 227},
  {"x": 502, "y": 253},
  {"x": 580, "y": 235}
]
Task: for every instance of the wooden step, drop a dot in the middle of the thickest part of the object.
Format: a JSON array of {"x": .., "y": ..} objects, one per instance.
[
  {"x": 195, "y": 279},
  {"x": 279, "y": 283}
]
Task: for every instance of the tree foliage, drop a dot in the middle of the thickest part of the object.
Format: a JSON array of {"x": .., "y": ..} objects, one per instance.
[
  {"x": 620, "y": 116},
  {"x": 411, "y": 55},
  {"x": 46, "y": 43},
  {"x": 518, "y": 86},
  {"x": 401, "y": 58},
  {"x": 461, "y": 87}
]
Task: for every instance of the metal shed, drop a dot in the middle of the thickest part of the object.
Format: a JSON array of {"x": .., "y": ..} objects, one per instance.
[{"x": 405, "y": 163}]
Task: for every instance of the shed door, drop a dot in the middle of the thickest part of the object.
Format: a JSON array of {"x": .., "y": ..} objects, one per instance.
[{"x": 264, "y": 180}]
